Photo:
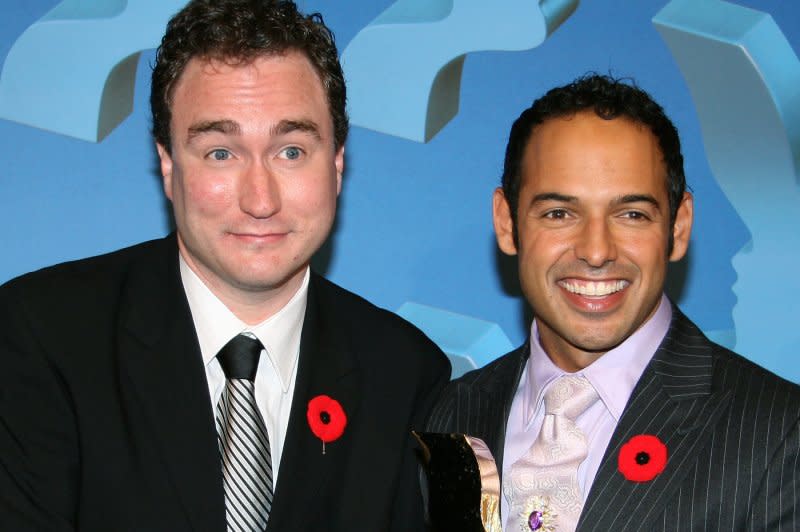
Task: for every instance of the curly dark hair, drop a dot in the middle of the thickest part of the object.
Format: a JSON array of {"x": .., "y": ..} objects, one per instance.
[
  {"x": 239, "y": 31},
  {"x": 609, "y": 98}
]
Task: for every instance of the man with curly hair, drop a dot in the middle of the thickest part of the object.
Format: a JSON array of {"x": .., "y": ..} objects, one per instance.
[
  {"x": 618, "y": 413},
  {"x": 209, "y": 380}
]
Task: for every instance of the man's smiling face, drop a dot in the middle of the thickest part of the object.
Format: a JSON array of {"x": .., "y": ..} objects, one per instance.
[{"x": 593, "y": 233}]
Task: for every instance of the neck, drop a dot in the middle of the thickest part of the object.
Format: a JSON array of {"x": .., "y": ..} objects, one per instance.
[
  {"x": 250, "y": 305},
  {"x": 253, "y": 307}
]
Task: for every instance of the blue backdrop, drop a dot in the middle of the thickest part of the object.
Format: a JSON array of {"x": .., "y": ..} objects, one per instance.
[{"x": 434, "y": 88}]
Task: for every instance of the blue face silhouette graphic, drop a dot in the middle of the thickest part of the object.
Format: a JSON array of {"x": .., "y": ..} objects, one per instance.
[{"x": 749, "y": 110}]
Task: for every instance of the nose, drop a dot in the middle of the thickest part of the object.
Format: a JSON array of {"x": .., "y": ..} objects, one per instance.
[
  {"x": 595, "y": 243},
  {"x": 259, "y": 191}
]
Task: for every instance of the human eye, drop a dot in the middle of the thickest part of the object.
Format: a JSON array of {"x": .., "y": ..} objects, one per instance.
[
  {"x": 556, "y": 214},
  {"x": 219, "y": 154},
  {"x": 291, "y": 153},
  {"x": 635, "y": 216}
]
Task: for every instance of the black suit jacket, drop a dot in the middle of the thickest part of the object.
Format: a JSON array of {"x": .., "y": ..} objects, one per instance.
[
  {"x": 730, "y": 427},
  {"x": 106, "y": 422}
]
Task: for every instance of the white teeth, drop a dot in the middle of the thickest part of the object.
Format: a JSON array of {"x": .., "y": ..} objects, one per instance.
[{"x": 599, "y": 288}]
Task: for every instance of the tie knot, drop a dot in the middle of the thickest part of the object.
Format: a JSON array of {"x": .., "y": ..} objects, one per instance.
[
  {"x": 239, "y": 357},
  {"x": 569, "y": 396}
]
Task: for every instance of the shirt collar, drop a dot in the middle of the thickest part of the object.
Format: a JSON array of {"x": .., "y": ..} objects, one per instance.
[
  {"x": 613, "y": 375},
  {"x": 216, "y": 324}
]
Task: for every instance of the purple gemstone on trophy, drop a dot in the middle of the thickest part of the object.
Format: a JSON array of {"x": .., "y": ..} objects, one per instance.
[{"x": 535, "y": 520}]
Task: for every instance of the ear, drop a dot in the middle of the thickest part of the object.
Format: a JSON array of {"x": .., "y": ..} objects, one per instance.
[
  {"x": 166, "y": 169},
  {"x": 339, "y": 162},
  {"x": 503, "y": 223},
  {"x": 682, "y": 228}
]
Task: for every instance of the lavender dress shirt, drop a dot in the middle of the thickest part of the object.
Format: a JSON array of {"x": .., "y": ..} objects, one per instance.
[{"x": 613, "y": 375}]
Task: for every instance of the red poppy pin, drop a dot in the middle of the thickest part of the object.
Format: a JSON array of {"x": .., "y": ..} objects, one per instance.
[
  {"x": 642, "y": 458},
  {"x": 326, "y": 419}
]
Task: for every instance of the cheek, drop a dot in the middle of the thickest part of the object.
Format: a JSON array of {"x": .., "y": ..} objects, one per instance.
[
  {"x": 315, "y": 198},
  {"x": 648, "y": 253},
  {"x": 209, "y": 194},
  {"x": 539, "y": 252}
]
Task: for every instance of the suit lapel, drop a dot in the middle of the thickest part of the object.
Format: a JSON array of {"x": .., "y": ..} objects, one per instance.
[
  {"x": 161, "y": 367},
  {"x": 674, "y": 401},
  {"x": 326, "y": 366},
  {"x": 485, "y": 404}
]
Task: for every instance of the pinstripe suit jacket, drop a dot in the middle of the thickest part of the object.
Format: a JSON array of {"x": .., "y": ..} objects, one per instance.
[{"x": 730, "y": 427}]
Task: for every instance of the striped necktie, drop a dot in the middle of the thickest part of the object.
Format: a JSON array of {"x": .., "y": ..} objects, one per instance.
[{"x": 243, "y": 440}]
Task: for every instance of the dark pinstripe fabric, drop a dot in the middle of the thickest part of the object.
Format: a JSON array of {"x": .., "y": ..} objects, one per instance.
[{"x": 730, "y": 427}]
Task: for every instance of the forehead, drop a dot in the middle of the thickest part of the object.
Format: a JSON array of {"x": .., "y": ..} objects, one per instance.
[
  {"x": 263, "y": 85},
  {"x": 588, "y": 153}
]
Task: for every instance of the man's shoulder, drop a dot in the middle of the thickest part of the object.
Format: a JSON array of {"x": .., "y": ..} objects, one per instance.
[
  {"x": 502, "y": 369},
  {"x": 92, "y": 269},
  {"x": 753, "y": 388},
  {"x": 470, "y": 403},
  {"x": 82, "y": 285},
  {"x": 500, "y": 374},
  {"x": 356, "y": 311},
  {"x": 752, "y": 383},
  {"x": 363, "y": 321}
]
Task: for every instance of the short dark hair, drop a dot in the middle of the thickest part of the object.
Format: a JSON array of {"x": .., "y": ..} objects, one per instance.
[
  {"x": 609, "y": 98},
  {"x": 239, "y": 31}
]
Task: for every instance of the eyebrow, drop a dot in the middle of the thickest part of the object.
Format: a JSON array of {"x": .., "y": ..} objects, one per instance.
[
  {"x": 636, "y": 198},
  {"x": 553, "y": 196},
  {"x": 304, "y": 126},
  {"x": 226, "y": 127}
]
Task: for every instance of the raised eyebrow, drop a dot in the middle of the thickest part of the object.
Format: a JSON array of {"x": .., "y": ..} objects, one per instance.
[
  {"x": 305, "y": 126},
  {"x": 226, "y": 127}
]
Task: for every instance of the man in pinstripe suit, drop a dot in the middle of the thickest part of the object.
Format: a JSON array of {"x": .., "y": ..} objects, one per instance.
[{"x": 593, "y": 203}]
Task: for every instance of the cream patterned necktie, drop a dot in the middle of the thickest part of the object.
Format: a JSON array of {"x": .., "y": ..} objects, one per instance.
[{"x": 543, "y": 489}]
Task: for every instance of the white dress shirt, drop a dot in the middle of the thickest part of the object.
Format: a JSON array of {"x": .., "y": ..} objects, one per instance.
[
  {"x": 277, "y": 367},
  {"x": 613, "y": 375}
]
